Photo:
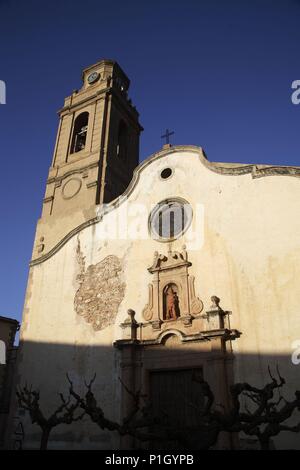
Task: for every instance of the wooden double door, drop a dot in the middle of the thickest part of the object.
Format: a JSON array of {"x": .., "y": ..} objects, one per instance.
[{"x": 177, "y": 400}]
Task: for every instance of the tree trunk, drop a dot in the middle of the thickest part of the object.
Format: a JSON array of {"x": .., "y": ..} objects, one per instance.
[
  {"x": 264, "y": 443},
  {"x": 45, "y": 438}
]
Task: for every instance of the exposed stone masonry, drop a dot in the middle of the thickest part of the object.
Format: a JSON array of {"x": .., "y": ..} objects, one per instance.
[{"x": 101, "y": 291}]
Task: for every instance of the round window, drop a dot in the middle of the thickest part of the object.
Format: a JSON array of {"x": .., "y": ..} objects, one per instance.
[
  {"x": 170, "y": 219},
  {"x": 166, "y": 173}
]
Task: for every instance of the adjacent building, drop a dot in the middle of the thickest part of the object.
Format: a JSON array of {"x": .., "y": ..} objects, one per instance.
[{"x": 8, "y": 355}]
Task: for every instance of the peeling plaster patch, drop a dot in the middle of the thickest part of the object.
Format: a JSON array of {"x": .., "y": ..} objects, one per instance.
[
  {"x": 101, "y": 290},
  {"x": 80, "y": 260}
]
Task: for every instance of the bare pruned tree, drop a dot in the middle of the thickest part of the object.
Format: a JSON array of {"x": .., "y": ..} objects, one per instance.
[
  {"x": 136, "y": 424},
  {"x": 256, "y": 412},
  {"x": 29, "y": 400},
  {"x": 266, "y": 412}
]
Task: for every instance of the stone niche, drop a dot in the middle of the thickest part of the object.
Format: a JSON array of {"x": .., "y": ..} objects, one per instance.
[{"x": 172, "y": 299}]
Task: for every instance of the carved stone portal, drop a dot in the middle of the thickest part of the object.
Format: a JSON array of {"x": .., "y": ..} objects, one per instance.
[{"x": 172, "y": 291}]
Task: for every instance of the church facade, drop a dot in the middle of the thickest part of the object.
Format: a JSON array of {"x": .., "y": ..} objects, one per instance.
[{"x": 147, "y": 274}]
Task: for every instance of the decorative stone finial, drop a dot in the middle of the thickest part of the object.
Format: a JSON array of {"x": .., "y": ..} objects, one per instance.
[
  {"x": 215, "y": 303},
  {"x": 131, "y": 315},
  {"x": 184, "y": 253},
  {"x": 131, "y": 325},
  {"x": 215, "y": 314}
]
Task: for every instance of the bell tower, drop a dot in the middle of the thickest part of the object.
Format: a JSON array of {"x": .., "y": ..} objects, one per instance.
[{"x": 96, "y": 151}]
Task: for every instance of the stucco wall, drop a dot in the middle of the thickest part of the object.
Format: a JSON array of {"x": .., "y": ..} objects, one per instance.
[{"x": 246, "y": 251}]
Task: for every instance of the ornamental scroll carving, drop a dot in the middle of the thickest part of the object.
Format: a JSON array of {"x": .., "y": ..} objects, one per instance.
[
  {"x": 172, "y": 291},
  {"x": 148, "y": 310}
]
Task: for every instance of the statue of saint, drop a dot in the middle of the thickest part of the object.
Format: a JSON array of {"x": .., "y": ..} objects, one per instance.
[{"x": 172, "y": 304}]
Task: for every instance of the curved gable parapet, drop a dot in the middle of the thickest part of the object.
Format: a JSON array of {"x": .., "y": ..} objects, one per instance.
[
  {"x": 233, "y": 169},
  {"x": 224, "y": 168}
]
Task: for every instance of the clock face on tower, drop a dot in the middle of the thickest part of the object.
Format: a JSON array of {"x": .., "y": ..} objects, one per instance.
[{"x": 93, "y": 77}]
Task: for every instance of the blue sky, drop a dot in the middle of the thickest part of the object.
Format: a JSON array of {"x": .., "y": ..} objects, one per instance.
[{"x": 216, "y": 72}]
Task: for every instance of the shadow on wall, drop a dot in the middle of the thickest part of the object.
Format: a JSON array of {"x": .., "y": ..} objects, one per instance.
[{"x": 163, "y": 372}]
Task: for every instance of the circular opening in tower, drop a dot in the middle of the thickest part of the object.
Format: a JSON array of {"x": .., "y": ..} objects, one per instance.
[{"x": 166, "y": 173}]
